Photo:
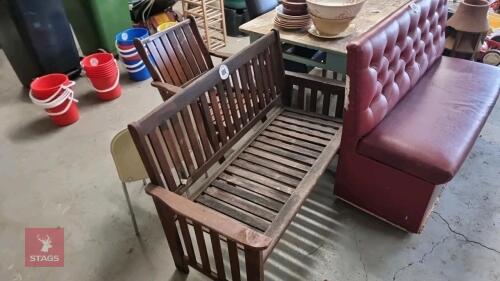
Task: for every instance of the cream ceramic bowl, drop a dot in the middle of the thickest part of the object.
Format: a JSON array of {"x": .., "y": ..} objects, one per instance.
[
  {"x": 335, "y": 9},
  {"x": 330, "y": 27}
]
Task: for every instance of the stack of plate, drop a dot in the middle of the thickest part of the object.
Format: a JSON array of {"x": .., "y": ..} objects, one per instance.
[{"x": 290, "y": 22}]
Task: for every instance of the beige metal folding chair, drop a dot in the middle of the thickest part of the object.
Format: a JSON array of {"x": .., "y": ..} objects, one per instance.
[{"x": 128, "y": 165}]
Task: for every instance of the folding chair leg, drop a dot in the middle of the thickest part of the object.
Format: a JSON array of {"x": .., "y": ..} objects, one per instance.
[{"x": 130, "y": 209}]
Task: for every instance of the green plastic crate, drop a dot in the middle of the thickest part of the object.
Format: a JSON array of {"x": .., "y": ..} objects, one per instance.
[{"x": 96, "y": 22}]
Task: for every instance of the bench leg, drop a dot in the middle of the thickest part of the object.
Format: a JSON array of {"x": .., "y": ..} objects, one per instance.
[
  {"x": 167, "y": 217},
  {"x": 254, "y": 265}
]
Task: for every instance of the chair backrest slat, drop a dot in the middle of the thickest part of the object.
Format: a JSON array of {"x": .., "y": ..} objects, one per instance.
[{"x": 176, "y": 55}]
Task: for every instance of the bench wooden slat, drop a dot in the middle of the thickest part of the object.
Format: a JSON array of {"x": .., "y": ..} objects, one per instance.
[
  {"x": 202, "y": 248},
  {"x": 217, "y": 113},
  {"x": 290, "y": 147},
  {"x": 257, "y": 74},
  {"x": 235, "y": 114},
  {"x": 232, "y": 249},
  {"x": 241, "y": 73},
  {"x": 272, "y": 164},
  {"x": 313, "y": 99},
  {"x": 183, "y": 144},
  {"x": 209, "y": 121},
  {"x": 252, "y": 87},
  {"x": 297, "y": 135},
  {"x": 240, "y": 203},
  {"x": 202, "y": 131},
  {"x": 186, "y": 236},
  {"x": 302, "y": 130},
  {"x": 255, "y": 187},
  {"x": 248, "y": 195},
  {"x": 301, "y": 97},
  {"x": 267, "y": 172},
  {"x": 223, "y": 101},
  {"x": 239, "y": 99},
  {"x": 260, "y": 179},
  {"x": 287, "y": 139},
  {"x": 161, "y": 156},
  {"x": 314, "y": 118},
  {"x": 233, "y": 212},
  {"x": 265, "y": 79},
  {"x": 217, "y": 251},
  {"x": 269, "y": 73},
  {"x": 279, "y": 159},
  {"x": 192, "y": 136},
  {"x": 306, "y": 124},
  {"x": 284, "y": 153}
]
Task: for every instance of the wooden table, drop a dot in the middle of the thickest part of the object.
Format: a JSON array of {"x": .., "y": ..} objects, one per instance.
[{"x": 372, "y": 13}]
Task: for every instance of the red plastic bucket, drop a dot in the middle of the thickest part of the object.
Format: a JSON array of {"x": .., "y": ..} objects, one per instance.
[
  {"x": 98, "y": 63},
  {"x": 102, "y": 71},
  {"x": 107, "y": 88},
  {"x": 53, "y": 93}
]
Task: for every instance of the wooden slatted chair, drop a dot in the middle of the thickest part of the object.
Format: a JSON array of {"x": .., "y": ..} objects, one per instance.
[
  {"x": 176, "y": 56},
  {"x": 284, "y": 133}
]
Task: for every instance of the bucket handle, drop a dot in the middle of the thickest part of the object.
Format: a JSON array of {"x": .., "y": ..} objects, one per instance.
[{"x": 54, "y": 100}]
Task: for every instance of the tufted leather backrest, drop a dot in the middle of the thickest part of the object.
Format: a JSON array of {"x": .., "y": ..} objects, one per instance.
[{"x": 387, "y": 61}]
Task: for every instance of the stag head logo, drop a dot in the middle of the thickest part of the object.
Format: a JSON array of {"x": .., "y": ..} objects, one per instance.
[
  {"x": 46, "y": 243},
  {"x": 44, "y": 247}
]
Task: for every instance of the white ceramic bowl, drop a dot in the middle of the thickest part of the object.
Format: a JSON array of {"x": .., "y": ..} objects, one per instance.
[{"x": 335, "y": 9}]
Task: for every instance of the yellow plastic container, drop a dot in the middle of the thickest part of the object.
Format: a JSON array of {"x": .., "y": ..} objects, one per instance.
[
  {"x": 165, "y": 25},
  {"x": 494, "y": 21}
]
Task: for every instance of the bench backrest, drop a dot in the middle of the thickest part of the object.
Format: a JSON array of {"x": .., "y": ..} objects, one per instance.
[
  {"x": 387, "y": 61},
  {"x": 180, "y": 139},
  {"x": 176, "y": 55}
]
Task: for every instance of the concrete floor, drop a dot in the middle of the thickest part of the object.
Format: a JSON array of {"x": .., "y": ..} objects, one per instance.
[{"x": 65, "y": 177}]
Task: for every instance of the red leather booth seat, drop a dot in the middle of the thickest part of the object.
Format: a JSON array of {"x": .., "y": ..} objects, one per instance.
[{"x": 412, "y": 115}]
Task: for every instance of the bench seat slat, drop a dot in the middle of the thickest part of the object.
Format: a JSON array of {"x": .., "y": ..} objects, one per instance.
[
  {"x": 267, "y": 172},
  {"x": 253, "y": 196},
  {"x": 241, "y": 203},
  {"x": 272, "y": 165},
  {"x": 249, "y": 219},
  {"x": 287, "y": 146},
  {"x": 255, "y": 187}
]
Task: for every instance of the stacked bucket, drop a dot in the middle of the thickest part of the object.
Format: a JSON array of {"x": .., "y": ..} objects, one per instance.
[
  {"x": 136, "y": 68},
  {"x": 104, "y": 75},
  {"x": 54, "y": 94}
]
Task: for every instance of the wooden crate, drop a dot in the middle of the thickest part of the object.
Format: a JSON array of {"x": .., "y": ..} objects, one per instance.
[{"x": 209, "y": 16}]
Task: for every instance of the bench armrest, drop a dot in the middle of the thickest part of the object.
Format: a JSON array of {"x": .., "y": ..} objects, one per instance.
[
  {"x": 166, "y": 88},
  {"x": 210, "y": 219},
  {"x": 221, "y": 55},
  {"x": 333, "y": 94}
]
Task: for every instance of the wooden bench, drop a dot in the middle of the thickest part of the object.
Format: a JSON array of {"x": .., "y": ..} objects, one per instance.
[{"x": 280, "y": 133}]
